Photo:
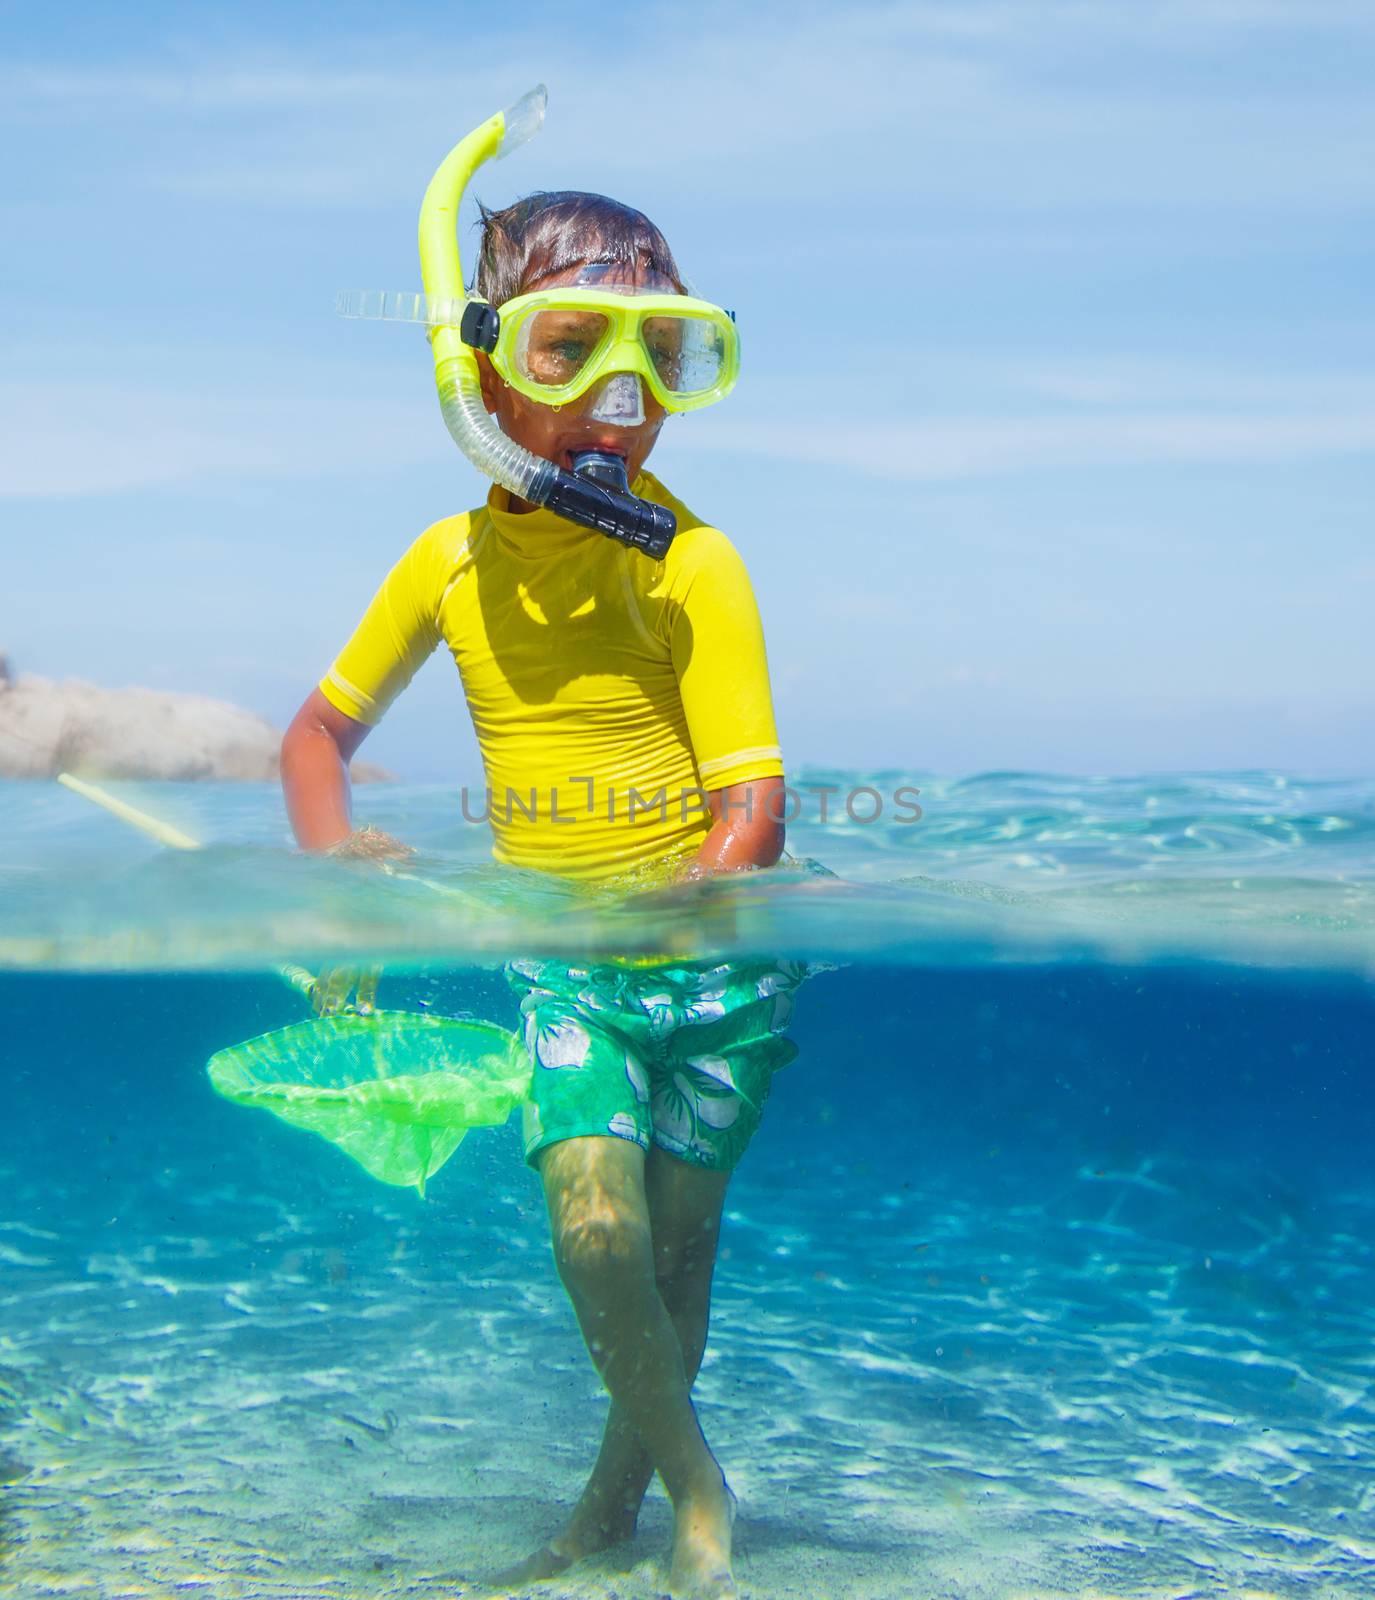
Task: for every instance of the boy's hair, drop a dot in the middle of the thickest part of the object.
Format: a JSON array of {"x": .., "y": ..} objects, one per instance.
[{"x": 552, "y": 230}]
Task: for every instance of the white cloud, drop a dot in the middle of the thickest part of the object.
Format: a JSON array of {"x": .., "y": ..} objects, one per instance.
[
  {"x": 1071, "y": 104},
  {"x": 62, "y": 441},
  {"x": 93, "y": 91},
  {"x": 767, "y": 45},
  {"x": 1137, "y": 382},
  {"x": 121, "y": 439},
  {"x": 932, "y": 449}
]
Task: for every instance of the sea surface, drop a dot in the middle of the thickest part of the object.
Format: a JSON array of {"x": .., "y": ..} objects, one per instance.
[{"x": 1051, "y": 1271}]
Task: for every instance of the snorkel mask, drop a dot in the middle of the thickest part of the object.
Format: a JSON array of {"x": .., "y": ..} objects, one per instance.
[{"x": 553, "y": 346}]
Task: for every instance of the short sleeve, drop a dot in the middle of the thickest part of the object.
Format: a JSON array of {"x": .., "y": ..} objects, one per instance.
[
  {"x": 717, "y": 644},
  {"x": 397, "y": 634}
]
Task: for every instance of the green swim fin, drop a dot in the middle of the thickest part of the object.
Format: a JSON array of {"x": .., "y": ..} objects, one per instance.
[{"x": 396, "y": 1090}]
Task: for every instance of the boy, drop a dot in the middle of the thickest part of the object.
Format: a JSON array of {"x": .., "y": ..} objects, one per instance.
[{"x": 591, "y": 669}]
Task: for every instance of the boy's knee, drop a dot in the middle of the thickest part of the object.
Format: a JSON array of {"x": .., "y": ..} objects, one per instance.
[
  {"x": 602, "y": 1248},
  {"x": 684, "y": 1260}
]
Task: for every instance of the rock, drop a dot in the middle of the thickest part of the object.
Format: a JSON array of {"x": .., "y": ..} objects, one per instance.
[{"x": 47, "y": 728}]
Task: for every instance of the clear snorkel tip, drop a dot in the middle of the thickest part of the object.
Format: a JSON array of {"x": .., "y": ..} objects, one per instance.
[{"x": 521, "y": 122}]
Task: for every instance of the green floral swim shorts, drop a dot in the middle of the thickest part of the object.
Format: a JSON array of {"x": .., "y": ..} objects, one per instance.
[{"x": 681, "y": 1056}]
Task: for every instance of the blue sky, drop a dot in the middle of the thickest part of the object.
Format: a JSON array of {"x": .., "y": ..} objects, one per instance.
[{"x": 1054, "y": 444}]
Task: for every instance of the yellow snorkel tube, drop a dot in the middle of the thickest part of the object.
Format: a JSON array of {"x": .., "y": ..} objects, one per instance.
[{"x": 582, "y": 499}]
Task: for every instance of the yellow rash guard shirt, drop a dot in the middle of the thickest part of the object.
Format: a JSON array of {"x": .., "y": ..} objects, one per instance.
[{"x": 608, "y": 691}]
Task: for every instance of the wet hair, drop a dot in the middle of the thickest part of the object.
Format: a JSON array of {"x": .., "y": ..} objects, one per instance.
[{"x": 553, "y": 230}]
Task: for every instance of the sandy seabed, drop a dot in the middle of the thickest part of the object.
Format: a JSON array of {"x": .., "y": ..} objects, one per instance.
[{"x": 1154, "y": 1383}]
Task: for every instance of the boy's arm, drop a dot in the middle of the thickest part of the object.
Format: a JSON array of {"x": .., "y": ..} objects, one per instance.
[
  {"x": 397, "y": 633},
  {"x": 316, "y": 752},
  {"x": 747, "y": 830},
  {"x": 717, "y": 643}
]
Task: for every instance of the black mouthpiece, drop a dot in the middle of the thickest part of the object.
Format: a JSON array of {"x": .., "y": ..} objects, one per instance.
[
  {"x": 596, "y": 494},
  {"x": 603, "y": 466}
]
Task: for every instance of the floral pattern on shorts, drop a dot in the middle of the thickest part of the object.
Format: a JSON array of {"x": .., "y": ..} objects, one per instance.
[{"x": 679, "y": 1056}]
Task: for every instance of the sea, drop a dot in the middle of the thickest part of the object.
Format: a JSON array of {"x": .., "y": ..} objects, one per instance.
[{"x": 1050, "y": 1272}]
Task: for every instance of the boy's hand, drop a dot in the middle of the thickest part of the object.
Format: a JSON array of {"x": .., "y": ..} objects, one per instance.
[
  {"x": 329, "y": 995},
  {"x": 370, "y": 844}
]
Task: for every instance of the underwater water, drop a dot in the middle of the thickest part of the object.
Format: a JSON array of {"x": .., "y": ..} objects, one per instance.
[{"x": 1051, "y": 1271}]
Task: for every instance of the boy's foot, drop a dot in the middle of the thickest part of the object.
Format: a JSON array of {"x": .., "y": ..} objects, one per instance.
[
  {"x": 701, "y": 1546},
  {"x": 584, "y": 1536}
]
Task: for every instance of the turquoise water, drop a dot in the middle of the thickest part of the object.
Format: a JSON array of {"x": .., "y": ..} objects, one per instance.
[
  {"x": 1259, "y": 866},
  {"x": 1050, "y": 1272}
]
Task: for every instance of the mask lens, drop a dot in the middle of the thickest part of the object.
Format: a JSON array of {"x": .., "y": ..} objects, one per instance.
[
  {"x": 554, "y": 346},
  {"x": 689, "y": 353}
]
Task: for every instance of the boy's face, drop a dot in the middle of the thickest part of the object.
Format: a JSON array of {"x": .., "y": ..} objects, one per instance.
[{"x": 556, "y": 435}]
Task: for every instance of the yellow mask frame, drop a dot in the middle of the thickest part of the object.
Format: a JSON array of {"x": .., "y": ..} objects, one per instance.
[{"x": 638, "y": 333}]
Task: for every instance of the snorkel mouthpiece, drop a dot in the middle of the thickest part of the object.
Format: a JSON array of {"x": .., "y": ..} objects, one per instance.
[
  {"x": 590, "y": 501},
  {"x": 602, "y": 466},
  {"x": 596, "y": 494}
]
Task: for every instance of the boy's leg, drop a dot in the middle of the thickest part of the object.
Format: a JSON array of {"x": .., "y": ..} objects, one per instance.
[
  {"x": 684, "y": 1204},
  {"x": 603, "y": 1244}
]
